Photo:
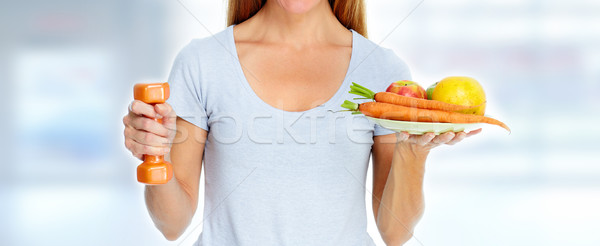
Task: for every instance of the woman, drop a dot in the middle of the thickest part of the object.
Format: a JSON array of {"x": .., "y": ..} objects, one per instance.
[{"x": 259, "y": 103}]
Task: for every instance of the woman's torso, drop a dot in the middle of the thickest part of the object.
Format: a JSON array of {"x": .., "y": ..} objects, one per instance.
[{"x": 276, "y": 177}]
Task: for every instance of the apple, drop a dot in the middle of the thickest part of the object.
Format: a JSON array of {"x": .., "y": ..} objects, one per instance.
[
  {"x": 407, "y": 88},
  {"x": 430, "y": 90}
]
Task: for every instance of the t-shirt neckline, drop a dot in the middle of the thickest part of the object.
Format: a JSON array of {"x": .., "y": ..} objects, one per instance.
[{"x": 243, "y": 80}]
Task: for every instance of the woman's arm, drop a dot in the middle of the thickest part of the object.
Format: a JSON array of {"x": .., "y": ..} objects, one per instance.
[
  {"x": 171, "y": 205},
  {"x": 398, "y": 170}
]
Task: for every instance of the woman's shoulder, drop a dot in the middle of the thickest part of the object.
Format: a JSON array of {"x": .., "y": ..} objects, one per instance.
[
  {"x": 198, "y": 49},
  {"x": 371, "y": 51},
  {"x": 377, "y": 59}
]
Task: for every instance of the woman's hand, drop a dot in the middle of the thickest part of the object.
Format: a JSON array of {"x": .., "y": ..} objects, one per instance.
[
  {"x": 429, "y": 140},
  {"x": 145, "y": 136}
]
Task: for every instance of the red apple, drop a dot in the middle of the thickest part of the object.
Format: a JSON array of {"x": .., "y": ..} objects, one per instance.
[{"x": 407, "y": 88}]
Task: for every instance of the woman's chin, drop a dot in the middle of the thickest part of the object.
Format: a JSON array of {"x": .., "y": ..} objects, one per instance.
[{"x": 298, "y": 6}]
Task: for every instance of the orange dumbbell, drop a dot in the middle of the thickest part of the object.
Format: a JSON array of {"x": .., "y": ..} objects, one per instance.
[{"x": 154, "y": 169}]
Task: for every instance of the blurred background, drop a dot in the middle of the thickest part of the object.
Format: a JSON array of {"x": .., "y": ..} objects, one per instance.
[{"x": 67, "y": 69}]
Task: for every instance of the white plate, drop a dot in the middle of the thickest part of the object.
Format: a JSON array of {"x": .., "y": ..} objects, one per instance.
[{"x": 419, "y": 128}]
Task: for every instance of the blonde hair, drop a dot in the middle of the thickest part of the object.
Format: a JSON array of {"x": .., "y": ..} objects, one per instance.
[{"x": 351, "y": 13}]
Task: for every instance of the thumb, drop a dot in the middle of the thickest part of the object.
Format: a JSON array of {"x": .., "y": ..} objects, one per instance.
[
  {"x": 402, "y": 136},
  {"x": 167, "y": 113}
]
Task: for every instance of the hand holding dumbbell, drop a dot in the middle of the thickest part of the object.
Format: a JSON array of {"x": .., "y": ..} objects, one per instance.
[{"x": 154, "y": 169}]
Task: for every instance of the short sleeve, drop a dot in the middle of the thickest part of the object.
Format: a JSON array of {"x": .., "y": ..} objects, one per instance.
[
  {"x": 185, "y": 89},
  {"x": 398, "y": 70}
]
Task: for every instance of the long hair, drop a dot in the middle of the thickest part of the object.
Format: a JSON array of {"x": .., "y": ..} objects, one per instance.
[{"x": 351, "y": 13}]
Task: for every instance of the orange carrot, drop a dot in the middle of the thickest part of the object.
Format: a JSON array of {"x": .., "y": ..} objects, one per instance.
[
  {"x": 397, "y": 112},
  {"x": 392, "y": 98}
]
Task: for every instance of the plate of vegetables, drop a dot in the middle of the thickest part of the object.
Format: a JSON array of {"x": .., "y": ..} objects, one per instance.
[{"x": 416, "y": 114}]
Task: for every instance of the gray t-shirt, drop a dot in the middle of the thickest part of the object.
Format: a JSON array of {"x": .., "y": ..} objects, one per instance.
[{"x": 277, "y": 177}]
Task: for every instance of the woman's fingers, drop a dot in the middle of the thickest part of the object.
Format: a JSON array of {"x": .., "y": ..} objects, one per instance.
[
  {"x": 149, "y": 125},
  {"x": 165, "y": 110},
  {"x": 422, "y": 139},
  {"x": 443, "y": 138},
  {"x": 402, "y": 136},
  {"x": 140, "y": 108},
  {"x": 431, "y": 140},
  {"x": 474, "y": 132},
  {"x": 139, "y": 149},
  {"x": 146, "y": 138},
  {"x": 459, "y": 136},
  {"x": 169, "y": 118}
]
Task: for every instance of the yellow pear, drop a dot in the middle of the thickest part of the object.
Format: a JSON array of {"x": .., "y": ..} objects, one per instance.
[{"x": 462, "y": 91}]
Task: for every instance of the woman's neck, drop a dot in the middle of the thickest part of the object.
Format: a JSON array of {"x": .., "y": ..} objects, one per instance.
[{"x": 318, "y": 25}]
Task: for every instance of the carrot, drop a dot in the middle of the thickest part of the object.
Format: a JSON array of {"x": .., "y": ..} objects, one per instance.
[
  {"x": 398, "y": 112},
  {"x": 388, "y": 97}
]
